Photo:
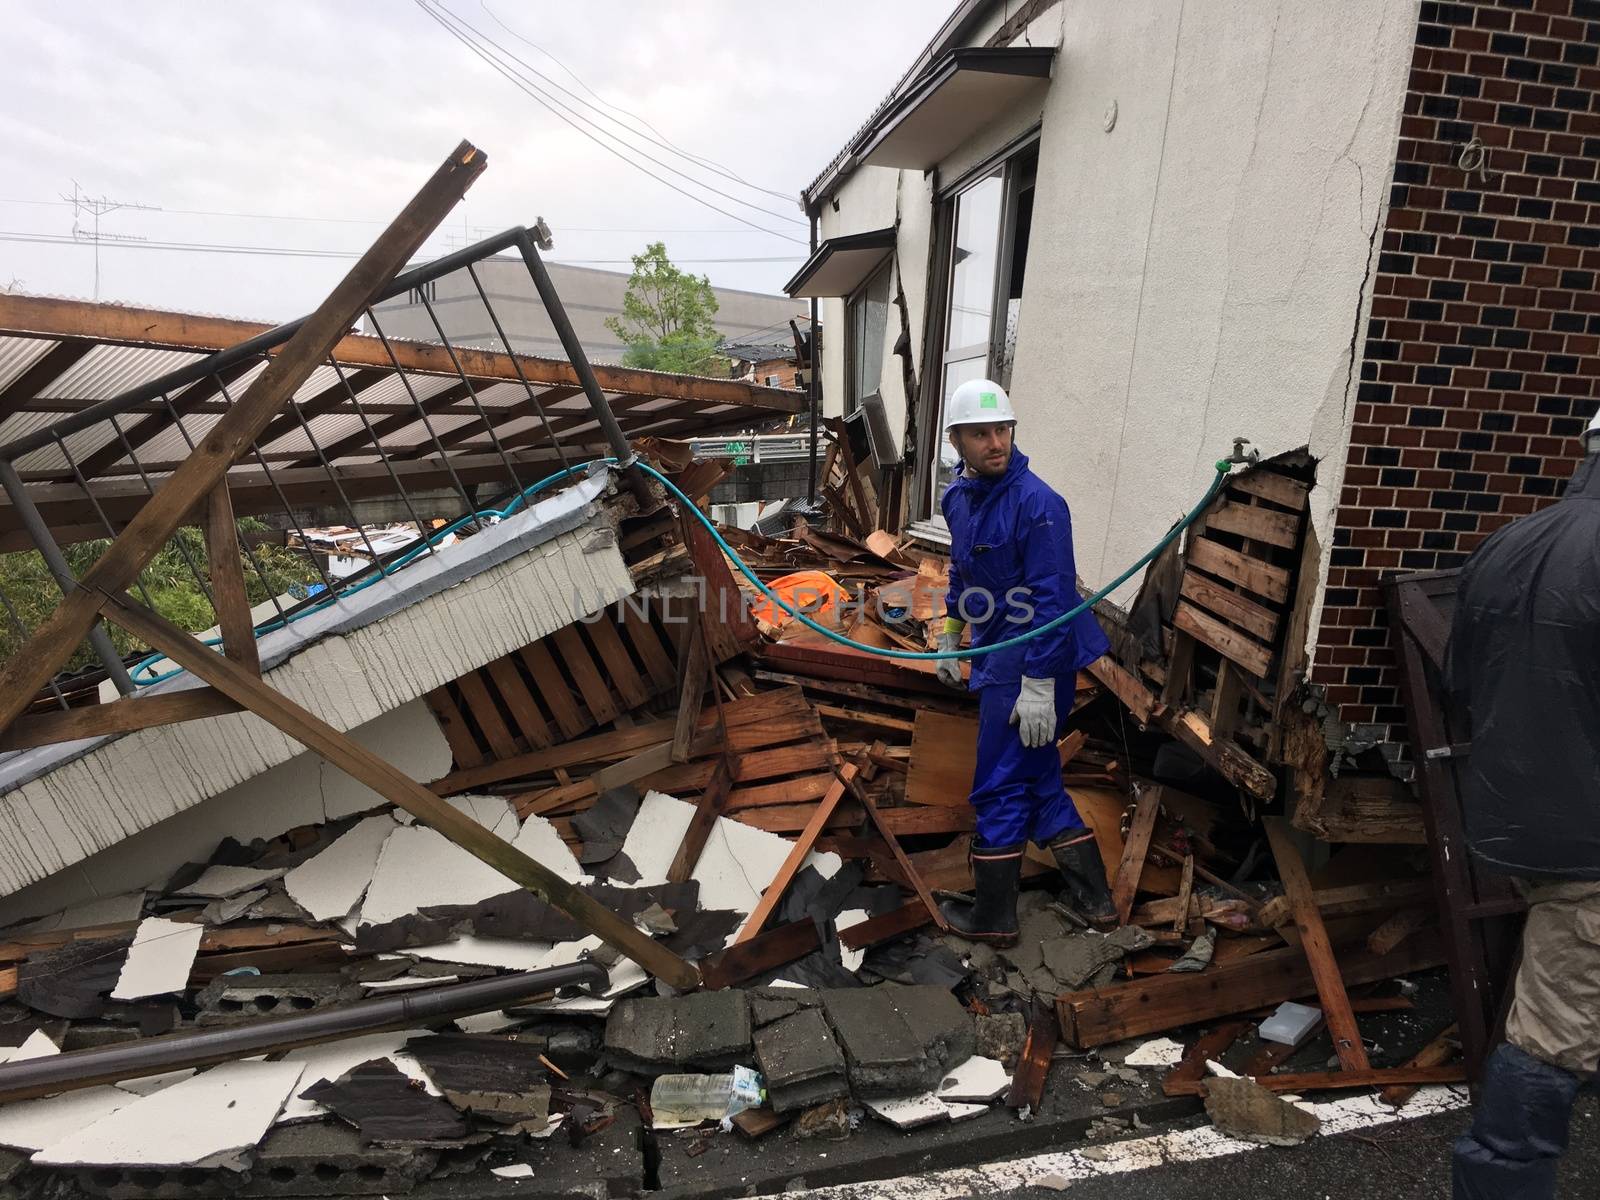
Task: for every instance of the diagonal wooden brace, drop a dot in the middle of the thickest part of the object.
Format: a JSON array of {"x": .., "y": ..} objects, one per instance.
[
  {"x": 396, "y": 786},
  {"x": 207, "y": 466}
]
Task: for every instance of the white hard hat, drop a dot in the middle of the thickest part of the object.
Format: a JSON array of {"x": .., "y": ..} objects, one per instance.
[
  {"x": 1594, "y": 427},
  {"x": 978, "y": 402}
]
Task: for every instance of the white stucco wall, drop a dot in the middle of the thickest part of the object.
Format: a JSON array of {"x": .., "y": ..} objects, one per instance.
[
  {"x": 1197, "y": 272},
  {"x": 1201, "y": 274}
]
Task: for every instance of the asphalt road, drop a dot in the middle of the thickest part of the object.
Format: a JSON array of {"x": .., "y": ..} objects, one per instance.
[{"x": 1406, "y": 1161}]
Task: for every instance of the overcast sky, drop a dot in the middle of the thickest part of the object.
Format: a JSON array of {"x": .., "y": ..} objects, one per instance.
[{"x": 321, "y": 118}]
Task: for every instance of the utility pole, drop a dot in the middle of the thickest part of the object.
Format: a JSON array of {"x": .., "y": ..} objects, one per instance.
[{"x": 98, "y": 207}]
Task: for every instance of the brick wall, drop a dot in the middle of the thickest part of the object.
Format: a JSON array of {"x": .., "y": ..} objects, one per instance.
[{"x": 1482, "y": 353}]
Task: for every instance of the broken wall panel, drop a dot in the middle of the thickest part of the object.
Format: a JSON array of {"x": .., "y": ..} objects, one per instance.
[{"x": 91, "y": 801}]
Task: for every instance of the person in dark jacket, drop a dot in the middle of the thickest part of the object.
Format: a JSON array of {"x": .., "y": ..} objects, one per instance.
[
  {"x": 1524, "y": 666},
  {"x": 1012, "y": 571}
]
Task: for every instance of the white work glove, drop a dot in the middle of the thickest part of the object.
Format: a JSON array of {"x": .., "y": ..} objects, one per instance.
[
  {"x": 949, "y": 669},
  {"x": 1035, "y": 712}
]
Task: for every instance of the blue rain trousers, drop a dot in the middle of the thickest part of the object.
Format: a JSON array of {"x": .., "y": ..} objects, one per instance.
[{"x": 1012, "y": 569}]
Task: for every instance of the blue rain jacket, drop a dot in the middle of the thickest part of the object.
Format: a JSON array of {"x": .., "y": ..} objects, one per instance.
[{"x": 1012, "y": 570}]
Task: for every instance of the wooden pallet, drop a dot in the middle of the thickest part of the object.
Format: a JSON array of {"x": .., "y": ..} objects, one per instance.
[
  {"x": 1236, "y": 587},
  {"x": 580, "y": 677}
]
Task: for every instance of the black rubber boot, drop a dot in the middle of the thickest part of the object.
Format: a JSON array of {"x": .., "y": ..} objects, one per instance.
[
  {"x": 1078, "y": 857},
  {"x": 992, "y": 916}
]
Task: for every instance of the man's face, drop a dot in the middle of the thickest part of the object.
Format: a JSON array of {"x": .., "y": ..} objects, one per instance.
[{"x": 984, "y": 448}]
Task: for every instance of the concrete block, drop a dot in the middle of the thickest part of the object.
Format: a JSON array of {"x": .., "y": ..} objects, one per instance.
[
  {"x": 1244, "y": 1109},
  {"x": 229, "y": 999},
  {"x": 800, "y": 1061},
  {"x": 898, "y": 1041},
  {"x": 1000, "y": 1036},
  {"x": 706, "y": 1031}
]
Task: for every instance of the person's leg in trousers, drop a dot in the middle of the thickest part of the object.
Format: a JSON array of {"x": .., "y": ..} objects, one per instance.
[
  {"x": 1058, "y": 826},
  {"x": 1002, "y": 801},
  {"x": 1519, "y": 1132}
]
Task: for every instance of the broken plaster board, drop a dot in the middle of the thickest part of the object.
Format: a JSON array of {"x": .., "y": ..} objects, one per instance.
[
  {"x": 420, "y": 868},
  {"x": 494, "y": 813},
  {"x": 303, "y": 791},
  {"x": 217, "y": 883},
  {"x": 1158, "y": 1052},
  {"x": 505, "y": 953},
  {"x": 332, "y": 883},
  {"x": 482, "y": 599},
  {"x": 205, "y": 1121},
  {"x": 332, "y": 1059},
  {"x": 102, "y": 910},
  {"x": 35, "y": 1124},
  {"x": 159, "y": 960},
  {"x": 738, "y": 861},
  {"x": 976, "y": 1081},
  {"x": 37, "y": 1044},
  {"x": 146, "y": 1084}
]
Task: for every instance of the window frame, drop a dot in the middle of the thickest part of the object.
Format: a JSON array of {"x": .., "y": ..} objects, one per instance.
[
  {"x": 930, "y": 399},
  {"x": 852, "y": 350}
]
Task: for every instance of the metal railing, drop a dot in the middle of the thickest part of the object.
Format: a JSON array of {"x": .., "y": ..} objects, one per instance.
[{"x": 203, "y": 381}]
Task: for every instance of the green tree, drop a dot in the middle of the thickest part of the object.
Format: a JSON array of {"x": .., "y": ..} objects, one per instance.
[
  {"x": 667, "y": 318},
  {"x": 32, "y": 592}
]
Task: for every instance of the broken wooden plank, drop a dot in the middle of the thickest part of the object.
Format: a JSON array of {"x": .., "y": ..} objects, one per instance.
[
  {"x": 1180, "y": 922},
  {"x": 893, "y": 924},
  {"x": 1134, "y": 849},
  {"x": 1269, "y": 485},
  {"x": 228, "y": 595},
  {"x": 574, "y": 652},
  {"x": 1255, "y": 522},
  {"x": 623, "y": 676},
  {"x": 519, "y": 700},
  {"x": 1398, "y": 928},
  {"x": 696, "y": 674},
  {"x": 797, "y": 856},
  {"x": 764, "y": 952},
  {"x": 887, "y": 833},
  {"x": 1251, "y": 574},
  {"x": 1235, "y": 607},
  {"x": 486, "y": 715},
  {"x": 1033, "y": 1064},
  {"x": 1202, "y": 626},
  {"x": 1436, "y": 1053},
  {"x": 943, "y": 749},
  {"x": 119, "y": 716},
  {"x": 464, "y": 747},
  {"x": 1154, "y": 1005},
  {"x": 553, "y": 689},
  {"x": 1209, "y": 1045},
  {"x": 1318, "y": 950},
  {"x": 707, "y": 809}
]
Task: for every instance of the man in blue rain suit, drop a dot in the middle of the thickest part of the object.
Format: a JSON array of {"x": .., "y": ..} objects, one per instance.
[
  {"x": 1524, "y": 666},
  {"x": 1011, "y": 571}
]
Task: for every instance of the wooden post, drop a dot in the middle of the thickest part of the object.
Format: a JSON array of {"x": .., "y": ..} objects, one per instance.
[
  {"x": 710, "y": 806},
  {"x": 797, "y": 856},
  {"x": 1133, "y": 853},
  {"x": 1318, "y": 949},
  {"x": 207, "y": 466},
  {"x": 227, "y": 582},
  {"x": 394, "y": 785}
]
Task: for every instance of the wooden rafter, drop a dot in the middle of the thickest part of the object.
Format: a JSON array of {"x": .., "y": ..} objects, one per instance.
[
  {"x": 65, "y": 629},
  {"x": 43, "y": 316}
]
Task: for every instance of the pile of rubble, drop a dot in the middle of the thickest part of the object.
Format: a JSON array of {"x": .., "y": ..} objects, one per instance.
[{"x": 775, "y": 809}]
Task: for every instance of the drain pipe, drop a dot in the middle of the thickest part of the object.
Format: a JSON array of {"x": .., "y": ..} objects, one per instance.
[
  {"x": 816, "y": 371},
  {"x": 174, "y": 1051}
]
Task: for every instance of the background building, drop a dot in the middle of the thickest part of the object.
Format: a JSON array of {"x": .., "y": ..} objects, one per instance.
[{"x": 589, "y": 296}]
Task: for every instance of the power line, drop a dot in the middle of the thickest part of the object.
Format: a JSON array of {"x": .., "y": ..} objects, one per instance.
[
  {"x": 53, "y": 239},
  {"x": 254, "y": 216},
  {"x": 551, "y": 106},
  {"x": 660, "y": 139},
  {"x": 478, "y": 40}
]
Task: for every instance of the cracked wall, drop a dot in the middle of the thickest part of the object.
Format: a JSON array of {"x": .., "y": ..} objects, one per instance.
[{"x": 1479, "y": 361}]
